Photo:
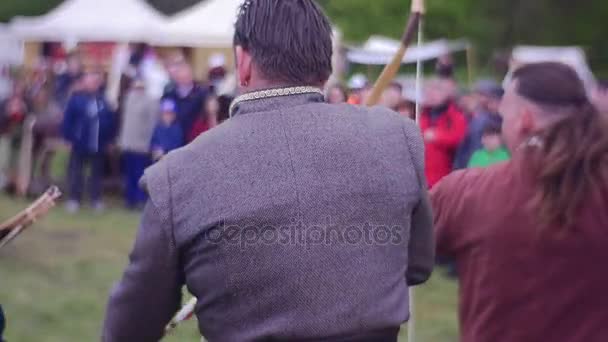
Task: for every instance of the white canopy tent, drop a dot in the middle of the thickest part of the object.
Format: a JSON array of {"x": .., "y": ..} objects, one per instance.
[
  {"x": 380, "y": 51},
  {"x": 573, "y": 56},
  {"x": 93, "y": 21},
  {"x": 207, "y": 24},
  {"x": 11, "y": 49}
]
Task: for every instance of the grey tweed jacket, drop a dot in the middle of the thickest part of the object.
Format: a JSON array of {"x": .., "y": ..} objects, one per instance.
[{"x": 294, "y": 220}]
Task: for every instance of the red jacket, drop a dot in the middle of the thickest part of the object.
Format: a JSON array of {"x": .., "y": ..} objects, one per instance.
[
  {"x": 199, "y": 127},
  {"x": 450, "y": 128}
]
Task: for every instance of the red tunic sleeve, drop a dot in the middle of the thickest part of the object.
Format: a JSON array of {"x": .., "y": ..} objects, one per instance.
[{"x": 451, "y": 199}]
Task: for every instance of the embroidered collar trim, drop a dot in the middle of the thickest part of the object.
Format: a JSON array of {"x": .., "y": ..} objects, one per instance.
[{"x": 277, "y": 92}]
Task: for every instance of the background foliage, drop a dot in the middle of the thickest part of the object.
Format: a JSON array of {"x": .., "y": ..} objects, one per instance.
[{"x": 492, "y": 25}]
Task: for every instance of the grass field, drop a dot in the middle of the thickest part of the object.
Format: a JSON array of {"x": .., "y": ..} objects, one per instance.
[{"x": 55, "y": 279}]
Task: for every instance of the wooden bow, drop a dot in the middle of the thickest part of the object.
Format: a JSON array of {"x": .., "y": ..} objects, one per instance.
[
  {"x": 16, "y": 225},
  {"x": 391, "y": 69}
]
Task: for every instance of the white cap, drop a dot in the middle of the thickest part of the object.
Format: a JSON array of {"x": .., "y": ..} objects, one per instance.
[
  {"x": 217, "y": 60},
  {"x": 358, "y": 81}
]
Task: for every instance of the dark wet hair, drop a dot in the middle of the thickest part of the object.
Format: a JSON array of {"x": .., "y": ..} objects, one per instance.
[
  {"x": 289, "y": 40},
  {"x": 492, "y": 129},
  {"x": 571, "y": 162}
]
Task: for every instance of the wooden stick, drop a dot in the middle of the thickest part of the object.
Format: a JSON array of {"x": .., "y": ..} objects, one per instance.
[{"x": 20, "y": 222}]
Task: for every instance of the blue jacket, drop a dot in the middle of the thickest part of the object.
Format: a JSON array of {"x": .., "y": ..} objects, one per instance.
[
  {"x": 167, "y": 138},
  {"x": 88, "y": 124},
  {"x": 188, "y": 108}
]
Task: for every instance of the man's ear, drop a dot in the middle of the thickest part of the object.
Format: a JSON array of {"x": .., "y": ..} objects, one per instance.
[
  {"x": 243, "y": 66},
  {"x": 528, "y": 121}
]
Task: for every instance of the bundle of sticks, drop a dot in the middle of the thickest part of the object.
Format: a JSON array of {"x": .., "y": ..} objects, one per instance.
[{"x": 10, "y": 229}]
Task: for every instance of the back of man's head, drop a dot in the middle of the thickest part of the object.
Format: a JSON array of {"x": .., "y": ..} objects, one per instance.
[{"x": 289, "y": 40}]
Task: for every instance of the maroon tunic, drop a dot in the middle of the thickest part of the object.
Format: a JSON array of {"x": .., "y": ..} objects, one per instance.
[{"x": 517, "y": 284}]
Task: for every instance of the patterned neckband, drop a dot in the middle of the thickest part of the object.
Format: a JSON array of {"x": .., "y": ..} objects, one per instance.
[{"x": 277, "y": 92}]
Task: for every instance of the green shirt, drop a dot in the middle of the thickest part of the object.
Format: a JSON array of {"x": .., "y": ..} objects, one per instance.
[{"x": 483, "y": 158}]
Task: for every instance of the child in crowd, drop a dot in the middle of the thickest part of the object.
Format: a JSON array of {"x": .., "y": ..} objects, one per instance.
[
  {"x": 208, "y": 118},
  {"x": 168, "y": 134},
  {"x": 493, "y": 150}
]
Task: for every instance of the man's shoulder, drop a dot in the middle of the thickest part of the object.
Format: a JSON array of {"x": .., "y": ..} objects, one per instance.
[
  {"x": 474, "y": 180},
  {"x": 375, "y": 115}
]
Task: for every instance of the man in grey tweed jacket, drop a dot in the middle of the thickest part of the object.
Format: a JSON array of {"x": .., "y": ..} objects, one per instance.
[{"x": 293, "y": 220}]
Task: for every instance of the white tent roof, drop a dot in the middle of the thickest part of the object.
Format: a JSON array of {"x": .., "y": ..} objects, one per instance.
[
  {"x": 380, "y": 50},
  {"x": 207, "y": 24},
  {"x": 573, "y": 56},
  {"x": 11, "y": 49},
  {"x": 93, "y": 20}
]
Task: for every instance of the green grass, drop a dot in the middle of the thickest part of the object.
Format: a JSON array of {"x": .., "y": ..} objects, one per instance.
[{"x": 55, "y": 279}]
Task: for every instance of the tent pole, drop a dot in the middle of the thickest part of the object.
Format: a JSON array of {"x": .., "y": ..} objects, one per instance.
[{"x": 471, "y": 64}]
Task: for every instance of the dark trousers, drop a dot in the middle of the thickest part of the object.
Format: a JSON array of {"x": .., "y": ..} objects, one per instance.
[
  {"x": 76, "y": 168},
  {"x": 134, "y": 165}
]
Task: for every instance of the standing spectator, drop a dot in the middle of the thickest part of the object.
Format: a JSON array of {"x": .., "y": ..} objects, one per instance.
[
  {"x": 172, "y": 64},
  {"x": 89, "y": 127},
  {"x": 46, "y": 132},
  {"x": 188, "y": 97},
  {"x": 336, "y": 94},
  {"x": 358, "y": 87},
  {"x": 392, "y": 96},
  {"x": 6, "y": 83},
  {"x": 529, "y": 235},
  {"x": 12, "y": 116},
  {"x": 445, "y": 66},
  {"x": 208, "y": 118},
  {"x": 493, "y": 150},
  {"x": 488, "y": 95},
  {"x": 138, "y": 121},
  {"x": 443, "y": 126},
  {"x": 469, "y": 102},
  {"x": 65, "y": 81},
  {"x": 407, "y": 109},
  {"x": 217, "y": 70},
  {"x": 168, "y": 134}
]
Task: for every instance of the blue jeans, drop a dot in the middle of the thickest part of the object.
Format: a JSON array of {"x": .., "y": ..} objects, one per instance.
[
  {"x": 76, "y": 168},
  {"x": 134, "y": 165}
]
